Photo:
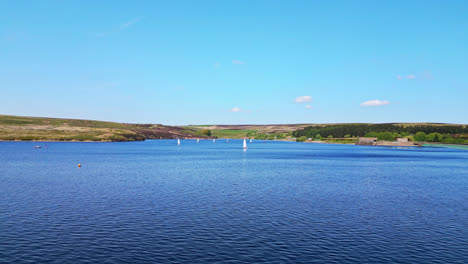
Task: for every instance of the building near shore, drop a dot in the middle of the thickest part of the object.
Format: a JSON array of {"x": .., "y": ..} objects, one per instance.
[
  {"x": 367, "y": 141},
  {"x": 402, "y": 140}
]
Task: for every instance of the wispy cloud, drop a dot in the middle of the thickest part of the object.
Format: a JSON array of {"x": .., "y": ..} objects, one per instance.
[
  {"x": 236, "y": 109},
  {"x": 303, "y": 99},
  {"x": 123, "y": 26},
  {"x": 130, "y": 23},
  {"x": 308, "y": 106},
  {"x": 409, "y": 76},
  {"x": 375, "y": 102},
  {"x": 425, "y": 75},
  {"x": 237, "y": 62}
]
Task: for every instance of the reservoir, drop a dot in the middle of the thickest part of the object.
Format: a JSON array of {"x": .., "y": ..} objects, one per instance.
[{"x": 277, "y": 202}]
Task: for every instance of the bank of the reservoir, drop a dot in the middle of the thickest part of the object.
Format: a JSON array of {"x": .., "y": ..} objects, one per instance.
[{"x": 447, "y": 146}]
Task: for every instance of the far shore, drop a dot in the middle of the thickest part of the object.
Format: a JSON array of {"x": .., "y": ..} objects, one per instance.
[
  {"x": 43, "y": 129},
  {"x": 379, "y": 144}
]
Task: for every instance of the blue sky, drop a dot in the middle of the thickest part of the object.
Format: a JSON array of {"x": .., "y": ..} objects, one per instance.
[{"x": 235, "y": 62}]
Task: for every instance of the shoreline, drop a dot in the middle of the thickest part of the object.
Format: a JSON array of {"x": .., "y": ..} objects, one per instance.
[{"x": 389, "y": 144}]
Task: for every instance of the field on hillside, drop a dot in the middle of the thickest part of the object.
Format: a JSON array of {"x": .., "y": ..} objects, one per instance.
[
  {"x": 241, "y": 131},
  {"x": 52, "y": 129},
  {"x": 39, "y": 128}
]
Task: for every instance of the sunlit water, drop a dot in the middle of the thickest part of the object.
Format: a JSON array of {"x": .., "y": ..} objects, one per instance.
[{"x": 278, "y": 202}]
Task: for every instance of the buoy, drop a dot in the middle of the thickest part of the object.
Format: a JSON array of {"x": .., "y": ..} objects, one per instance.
[{"x": 79, "y": 165}]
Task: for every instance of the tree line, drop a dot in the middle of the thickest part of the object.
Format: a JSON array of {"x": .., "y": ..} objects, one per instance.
[{"x": 435, "y": 133}]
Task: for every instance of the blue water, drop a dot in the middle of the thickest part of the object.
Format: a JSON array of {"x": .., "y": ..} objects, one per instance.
[{"x": 278, "y": 202}]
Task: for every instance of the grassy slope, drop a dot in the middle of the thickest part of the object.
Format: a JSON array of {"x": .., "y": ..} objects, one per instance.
[
  {"x": 240, "y": 131},
  {"x": 38, "y": 128},
  {"x": 228, "y": 133}
]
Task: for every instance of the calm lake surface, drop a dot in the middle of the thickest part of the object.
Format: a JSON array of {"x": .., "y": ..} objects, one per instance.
[{"x": 278, "y": 202}]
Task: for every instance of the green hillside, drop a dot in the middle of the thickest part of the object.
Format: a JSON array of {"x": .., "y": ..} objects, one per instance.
[{"x": 39, "y": 128}]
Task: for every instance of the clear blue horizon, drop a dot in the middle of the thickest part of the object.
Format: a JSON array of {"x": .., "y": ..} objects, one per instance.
[{"x": 242, "y": 62}]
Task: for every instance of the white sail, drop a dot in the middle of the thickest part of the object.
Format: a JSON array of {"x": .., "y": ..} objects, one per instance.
[
  {"x": 178, "y": 142},
  {"x": 250, "y": 140},
  {"x": 214, "y": 140},
  {"x": 198, "y": 140},
  {"x": 245, "y": 144}
]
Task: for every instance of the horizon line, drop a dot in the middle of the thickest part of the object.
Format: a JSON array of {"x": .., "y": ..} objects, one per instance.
[{"x": 280, "y": 124}]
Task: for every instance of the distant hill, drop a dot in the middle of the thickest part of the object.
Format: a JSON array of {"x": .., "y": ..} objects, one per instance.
[
  {"x": 360, "y": 130},
  {"x": 58, "y": 129},
  {"x": 240, "y": 131},
  {"x": 42, "y": 128}
]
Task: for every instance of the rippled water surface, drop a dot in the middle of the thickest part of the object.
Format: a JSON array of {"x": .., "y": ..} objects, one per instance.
[{"x": 278, "y": 202}]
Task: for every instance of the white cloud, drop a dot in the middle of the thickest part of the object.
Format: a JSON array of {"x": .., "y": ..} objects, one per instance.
[
  {"x": 122, "y": 27},
  {"x": 130, "y": 23},
  {"x": 308, "y": 106},
  {"x": 236, "y": 109},
  {"x": 375, "y": 102},
  {"x": 303, "y": 99},
  {"x": 409, "y": 76},
  {"x": 237, "y": 62}
]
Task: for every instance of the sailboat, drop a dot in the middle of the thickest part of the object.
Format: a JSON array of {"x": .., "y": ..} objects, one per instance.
[
  {"x": 198, "y": 140},
  {"x": 250, "y": 140},
  {"x": 214, "y": 140},
  {"x": 245, "y": 144},
  {"x": 178, "y": 142}
]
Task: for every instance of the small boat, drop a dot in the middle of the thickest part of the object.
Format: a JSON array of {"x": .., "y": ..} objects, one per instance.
[
  {"x": 214, "y": 140},
  {"x": 250, "y": 140},
  {"x": 198, "y": 140},
  {"x": 178, "y": 142},
  {"x": 37, "y": 147},
  {"x": 245, "y": 144}
]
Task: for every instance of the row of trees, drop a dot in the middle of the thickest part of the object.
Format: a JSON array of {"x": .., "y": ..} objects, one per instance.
[
  {"x": 419, "y": 136},
  {"x": 437, "y": 137},
  {"x": 269, "y": 136},
  {"x": 381, "y": 131}
]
